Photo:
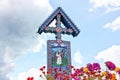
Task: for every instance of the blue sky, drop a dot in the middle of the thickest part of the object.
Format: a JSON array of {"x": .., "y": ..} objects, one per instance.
[{"x": 23, "y": 51}]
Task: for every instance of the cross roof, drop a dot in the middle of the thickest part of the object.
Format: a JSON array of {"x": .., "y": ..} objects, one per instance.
[{"x": 60, "y": 16}]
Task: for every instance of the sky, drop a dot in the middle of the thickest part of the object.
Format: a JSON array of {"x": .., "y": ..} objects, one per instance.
[{"x": 23, "y": 50}]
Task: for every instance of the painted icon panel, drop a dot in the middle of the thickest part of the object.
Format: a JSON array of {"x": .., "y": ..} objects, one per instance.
[{"x": 59, "y": 55}]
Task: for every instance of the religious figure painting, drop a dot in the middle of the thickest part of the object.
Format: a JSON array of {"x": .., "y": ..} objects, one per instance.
[{"x": 59, "y": 56}]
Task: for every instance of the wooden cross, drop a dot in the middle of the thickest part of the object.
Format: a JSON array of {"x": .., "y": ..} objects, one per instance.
[
  {"x": 58, "y": 30},
  {"x": 60, "y": 17}
]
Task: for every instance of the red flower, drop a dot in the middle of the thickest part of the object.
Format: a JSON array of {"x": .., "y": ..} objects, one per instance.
[
  {"x": 55, "y": 69},
  {"x": 40, "y": 75},
  {"x": 41, "y": 69},
  {"x": 111, "y": 66},
  {"x": 43, "y": 72},
  {"x": 71, "y": 66},
  {"x": 44, "y": 67},
  {"x": 30, "y": 78},
  {"x": 48, "y": 72},
  {"x": 73, "y": 75}
]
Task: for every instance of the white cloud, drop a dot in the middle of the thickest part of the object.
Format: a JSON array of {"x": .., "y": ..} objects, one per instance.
[
  {"x": 42, "y": 4},
  {"x": 110, "y": 54},
  {"x": 78, "y": 57},
  {"x": 19, "y": 22},
  {"x": 4, "y": 4},
  {"x": 109, "y": 5},
  {"x": 114, "y": 26},
  {"x": 31, "y": 73},
  {"x": 41, "y": 43}
]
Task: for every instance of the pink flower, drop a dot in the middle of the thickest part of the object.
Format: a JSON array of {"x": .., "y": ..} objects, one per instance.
[
  {"x": 111, "y": 66},
  {"x": 90, "y": 66},
  {"x": 81, "y": 70},
  {"x": 119, "y": 72},
  {"x": 96, "y": 66}
]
